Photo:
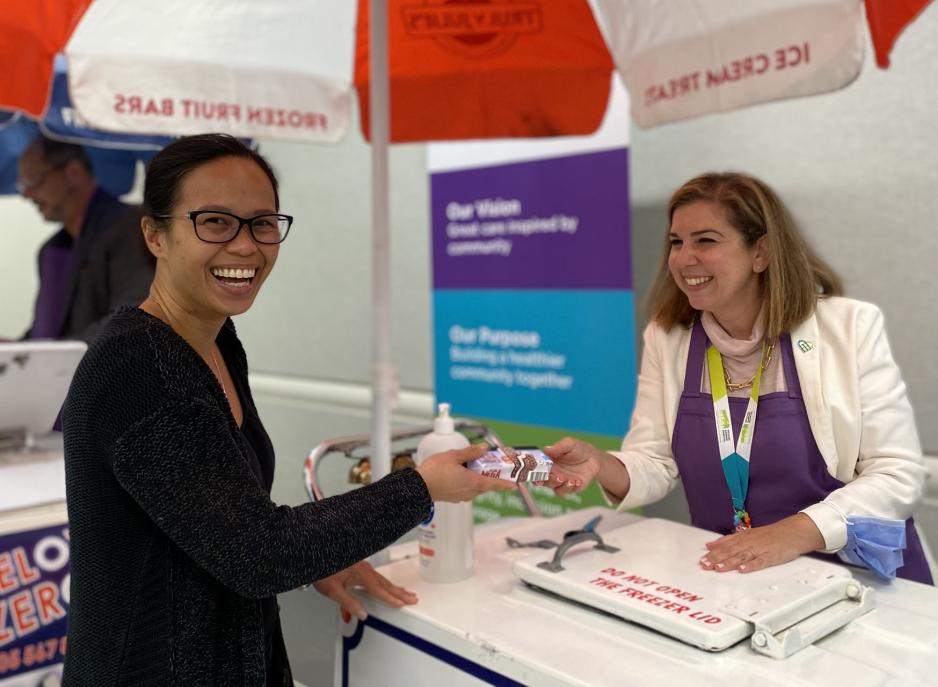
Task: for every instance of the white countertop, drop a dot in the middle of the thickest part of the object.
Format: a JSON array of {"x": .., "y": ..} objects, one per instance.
[
  {"x": 33, "y": 477},
  {"x": 494, "y": 620}
]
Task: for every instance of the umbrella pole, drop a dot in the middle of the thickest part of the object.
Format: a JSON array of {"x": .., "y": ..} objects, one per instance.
[{"x": 382, "y": 372}]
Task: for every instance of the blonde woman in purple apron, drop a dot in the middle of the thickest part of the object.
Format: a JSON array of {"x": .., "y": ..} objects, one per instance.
[{"x": 772, "y": 398}]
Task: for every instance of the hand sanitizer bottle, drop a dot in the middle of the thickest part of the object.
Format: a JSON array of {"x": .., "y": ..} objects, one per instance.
[{"x": 445, "y": 537}]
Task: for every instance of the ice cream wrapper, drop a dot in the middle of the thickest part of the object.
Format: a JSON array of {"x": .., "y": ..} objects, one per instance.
[{"x": 514, "y": 464}]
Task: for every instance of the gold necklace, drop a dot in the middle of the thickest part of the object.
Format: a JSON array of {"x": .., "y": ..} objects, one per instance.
[
  {"x": 211, "y": 352},
  {"x": 221, "y": 380},
  {"x": 736, "y": 386}
]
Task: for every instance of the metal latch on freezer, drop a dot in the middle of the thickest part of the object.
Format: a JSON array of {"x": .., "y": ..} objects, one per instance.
[{"x": 795, "y": 613}]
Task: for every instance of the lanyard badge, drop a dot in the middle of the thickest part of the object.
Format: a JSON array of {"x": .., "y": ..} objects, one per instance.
[{"x": 734, "y": 458}]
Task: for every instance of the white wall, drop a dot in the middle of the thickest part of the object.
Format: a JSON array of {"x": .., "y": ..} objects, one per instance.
[
  {"x": 313, "y": 317},
  {"x": 22, "y": 233}
]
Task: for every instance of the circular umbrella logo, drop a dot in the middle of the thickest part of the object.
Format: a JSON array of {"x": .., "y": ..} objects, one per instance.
[{"x": 478, "y": 29}]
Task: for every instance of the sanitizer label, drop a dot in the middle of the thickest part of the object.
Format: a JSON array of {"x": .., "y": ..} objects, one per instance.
[{"x": 429, "y": 517}]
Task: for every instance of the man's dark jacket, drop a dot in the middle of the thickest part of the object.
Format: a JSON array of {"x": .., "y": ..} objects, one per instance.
[{"x": 111, "y": 266}]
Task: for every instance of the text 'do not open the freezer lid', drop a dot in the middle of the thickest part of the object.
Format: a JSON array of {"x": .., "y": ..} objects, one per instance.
[{"x": 654, "y": 580}]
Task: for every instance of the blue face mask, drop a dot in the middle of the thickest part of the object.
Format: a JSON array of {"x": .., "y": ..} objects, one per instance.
[{"x": 875, "y": 544}]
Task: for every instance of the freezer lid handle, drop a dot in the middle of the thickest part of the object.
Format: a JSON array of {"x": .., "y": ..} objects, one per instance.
[
  {"x": 786, "y": 628},
  {"x": 571, "y": 540}
]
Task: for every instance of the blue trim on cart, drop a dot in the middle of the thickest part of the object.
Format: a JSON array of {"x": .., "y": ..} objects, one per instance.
[{"x": 438, "y": 652}]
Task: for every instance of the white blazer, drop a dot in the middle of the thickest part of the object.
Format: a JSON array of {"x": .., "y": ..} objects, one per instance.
[{"x": 856, "y": 404}]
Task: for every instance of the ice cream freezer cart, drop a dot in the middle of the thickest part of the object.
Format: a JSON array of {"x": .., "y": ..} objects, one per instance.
[
  {"x": 34, "y": 553},
  {"x": 642, "y": 615},
  {"x": 34, "y": 566}
]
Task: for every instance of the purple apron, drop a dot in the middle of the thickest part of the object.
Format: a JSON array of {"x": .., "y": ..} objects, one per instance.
[{"x": 787, "y": 471}]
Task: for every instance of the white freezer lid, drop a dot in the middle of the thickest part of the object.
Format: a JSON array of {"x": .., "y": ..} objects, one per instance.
[
  {"x": 34, "y": 379},
  {"x": 535, "y": 639},
  {"x": 654, "y": 580}
]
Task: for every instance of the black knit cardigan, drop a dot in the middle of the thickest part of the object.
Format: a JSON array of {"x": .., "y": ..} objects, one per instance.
[{"x": 174, "y": 541}]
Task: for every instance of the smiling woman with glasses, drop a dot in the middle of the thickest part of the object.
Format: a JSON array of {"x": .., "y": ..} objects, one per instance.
[{"x": 177, "y": 551}]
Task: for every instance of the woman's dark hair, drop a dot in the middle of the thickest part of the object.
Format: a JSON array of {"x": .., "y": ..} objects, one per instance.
[{"x": 170, "y": 166}]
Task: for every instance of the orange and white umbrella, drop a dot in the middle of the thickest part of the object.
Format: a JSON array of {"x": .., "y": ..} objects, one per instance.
[
  {"x": 718, "y": 56},
  {"x": 31, "y": 33},
  {"x": 286, "y": 68},
  {"x": 458, "y": 68}
]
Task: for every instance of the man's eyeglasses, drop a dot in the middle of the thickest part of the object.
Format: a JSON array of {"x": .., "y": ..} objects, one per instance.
[
  {"x": 214, "y": 226},
  {"x": 22, "y": 186}
]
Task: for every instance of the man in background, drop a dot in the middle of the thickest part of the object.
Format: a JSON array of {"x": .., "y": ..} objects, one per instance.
[{"x": 97, "y": 260}]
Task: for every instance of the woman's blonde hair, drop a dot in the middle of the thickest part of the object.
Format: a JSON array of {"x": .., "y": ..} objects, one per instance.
[{"x": 795, "y": 276}]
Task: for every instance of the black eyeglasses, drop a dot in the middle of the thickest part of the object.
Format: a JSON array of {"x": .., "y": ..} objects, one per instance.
[
  {"x": 214, "y": 226},
  {"x": 23, "y": 186}
]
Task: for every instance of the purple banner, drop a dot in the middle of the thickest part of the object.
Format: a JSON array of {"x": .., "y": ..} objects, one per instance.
[{"x": 534, "y": 225}]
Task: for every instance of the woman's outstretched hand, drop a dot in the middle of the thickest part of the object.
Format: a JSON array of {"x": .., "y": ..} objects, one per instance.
[
  {"x": 763, "y": 547},
  {"x": 364, "y": 576},
  {"x": 576, "y": 464},
  {"x": 448, "y": 479}
]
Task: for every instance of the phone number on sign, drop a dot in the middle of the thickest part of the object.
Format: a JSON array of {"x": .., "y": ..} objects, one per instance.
[{"x": 32, "y": 655}]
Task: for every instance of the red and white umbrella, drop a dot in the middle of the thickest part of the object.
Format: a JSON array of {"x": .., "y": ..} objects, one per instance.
[
  {"x": 288, "y": 68},
  {"x": 31, "y": 34},
  {"x": 710, "y": 58},
  {"x": 459, "y": 68},
  {"x": 683, "y": 60}
]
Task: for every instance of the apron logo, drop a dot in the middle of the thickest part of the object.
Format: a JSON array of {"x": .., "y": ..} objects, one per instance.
[{"x": 805, "y": 346}]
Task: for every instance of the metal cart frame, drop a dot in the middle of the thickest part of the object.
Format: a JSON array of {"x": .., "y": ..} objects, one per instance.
[{"x": 403, "y": 446}]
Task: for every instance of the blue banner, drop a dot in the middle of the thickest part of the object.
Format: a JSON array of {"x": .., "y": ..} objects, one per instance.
[{"x": 563, "y": 359}]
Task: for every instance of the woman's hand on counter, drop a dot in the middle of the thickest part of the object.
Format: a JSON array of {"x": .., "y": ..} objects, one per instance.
[
  {"x": 577, "y": 463},
  {"x": 448, "y": 479},
  {"x": 763, "y": 547},
  {"x": 364, "y": 576}
]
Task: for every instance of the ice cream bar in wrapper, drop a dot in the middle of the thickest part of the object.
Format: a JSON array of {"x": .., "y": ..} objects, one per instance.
[{"x": 514, "y": 464}]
